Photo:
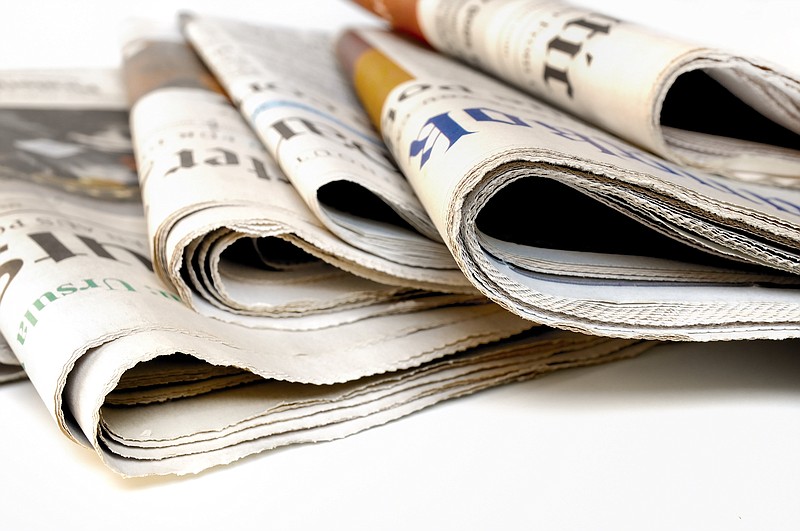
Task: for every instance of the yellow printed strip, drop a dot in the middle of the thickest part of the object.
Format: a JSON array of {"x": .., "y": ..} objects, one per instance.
[{"x": 374, "y": 75}]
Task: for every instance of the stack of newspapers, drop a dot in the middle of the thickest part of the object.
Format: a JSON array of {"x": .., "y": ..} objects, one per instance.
[{"x": 253, "y": 236}]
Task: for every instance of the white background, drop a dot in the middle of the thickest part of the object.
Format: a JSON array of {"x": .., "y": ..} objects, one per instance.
[{"x": 701, "y": 436}]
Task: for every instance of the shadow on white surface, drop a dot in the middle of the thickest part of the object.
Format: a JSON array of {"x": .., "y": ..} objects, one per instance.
[{"x": 685, "y": 373}]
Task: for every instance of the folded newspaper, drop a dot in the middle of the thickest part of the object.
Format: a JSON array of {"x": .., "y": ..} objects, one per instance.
[
  {"x": 307, "y": 117},
  {"x": 689, "y": 103},
  {"x": 64, "y": 131},
  {"x": 128, "y": 368},
  {"x": 568, "y": 226},
  {"x": 228, "y": 229}
]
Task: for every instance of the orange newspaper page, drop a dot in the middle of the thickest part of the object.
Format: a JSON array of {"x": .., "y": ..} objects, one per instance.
[
  {"x": 373, "y": 74},
  {"x": 401, "y": 14}
]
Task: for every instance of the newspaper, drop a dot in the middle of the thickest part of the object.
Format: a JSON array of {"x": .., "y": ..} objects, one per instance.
[
  {"x": 228, "y": 229},
  {"x": 689, "y": 103},
  {"x": 44, "y": 140},
  {"x": 127, "y": 368},
  {"x": 571, "y": 227},
  {"x": 305, "y": 114}
]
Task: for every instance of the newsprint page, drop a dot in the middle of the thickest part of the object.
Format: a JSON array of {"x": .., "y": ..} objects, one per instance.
[{"x": 508, "y": 261}]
